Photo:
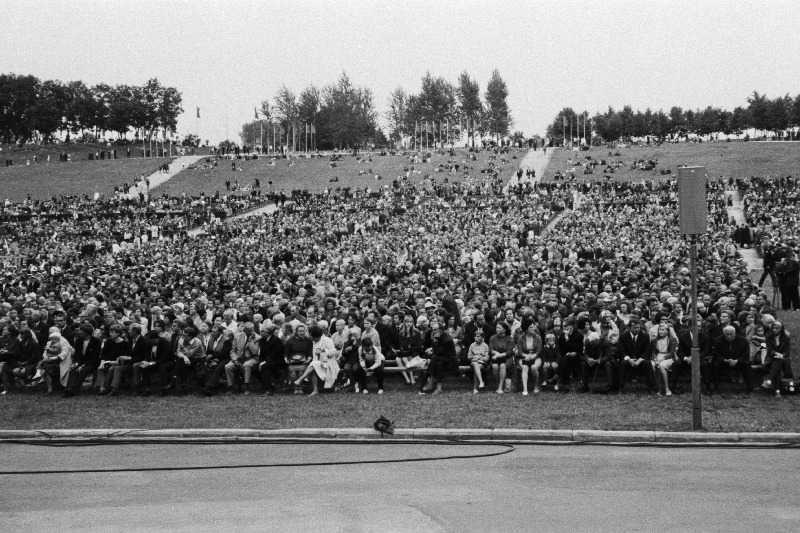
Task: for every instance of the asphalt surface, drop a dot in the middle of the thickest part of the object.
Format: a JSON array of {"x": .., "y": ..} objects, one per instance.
[{"x": 534, "y": 488}]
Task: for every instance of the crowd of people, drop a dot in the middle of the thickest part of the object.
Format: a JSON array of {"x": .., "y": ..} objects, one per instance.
[{"x": 429, "y": 279}]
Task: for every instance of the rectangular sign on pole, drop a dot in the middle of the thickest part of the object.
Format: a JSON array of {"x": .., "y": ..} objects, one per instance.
[{"x": 692, "y": 208}]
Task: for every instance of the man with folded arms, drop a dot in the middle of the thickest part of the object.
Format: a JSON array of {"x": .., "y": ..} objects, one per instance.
[{"x": 731, "y": 352}]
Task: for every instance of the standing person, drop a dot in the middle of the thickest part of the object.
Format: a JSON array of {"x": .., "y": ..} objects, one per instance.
[
  {"x": 769, "y": 264},
  {"x": 370, "y": 363},
  {"x": 443, "y": 355},
  {"x": 788, "y": 271}
]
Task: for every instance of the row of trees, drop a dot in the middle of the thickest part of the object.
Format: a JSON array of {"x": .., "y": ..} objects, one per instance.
[
  {"x": 765, "y": 115},
  {"x": 39, "y": 109},
  {"x": 456, "y": 109},
  {"x": 339, "y": 115},
  {"x": 342, "y": 115}
]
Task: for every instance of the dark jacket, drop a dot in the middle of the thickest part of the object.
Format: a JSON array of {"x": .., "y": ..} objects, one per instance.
[
  {"x": 410, "y": 343},
  {"x": 91, "y": 357},
  {"x": 738, "y": 349},
  {"x": 635, "y": 350},
  {"x": 444, "y": 348},
  {"x": 140, "y": 350},
  {"x": 29, "y": 352},
  {"x": 685, "y": 344},
  {"x": 270, "y": 350},
  {"x": 164, "y": 351}
]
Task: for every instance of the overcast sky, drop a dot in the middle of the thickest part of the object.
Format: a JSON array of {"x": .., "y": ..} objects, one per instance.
[{"x": 225, "y": 57}]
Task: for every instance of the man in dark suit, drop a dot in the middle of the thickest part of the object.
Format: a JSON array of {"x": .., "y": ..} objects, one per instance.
[
  {"x": 60, "y": 320},
  {"x": 769, "y": 264},
  {"x": 160, "y": 354},
  {"x": 731, "y": 351},
  {"x": 683, "y": 360},
  {"x": 39, "y": 327},
  {"x": 140, "y": 351},
  {"x": 271, "y": 359},
  {"x": 634, "y": 353},
  {"x": 788, "y": 271},
  {"x": 85, "y": 361}
]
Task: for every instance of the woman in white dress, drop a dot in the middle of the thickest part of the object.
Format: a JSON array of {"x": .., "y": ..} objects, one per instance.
[{"x": 324, "y": 364}]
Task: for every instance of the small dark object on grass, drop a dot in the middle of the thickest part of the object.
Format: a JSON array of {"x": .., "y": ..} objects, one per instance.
[{"x": 384, "y": 426}]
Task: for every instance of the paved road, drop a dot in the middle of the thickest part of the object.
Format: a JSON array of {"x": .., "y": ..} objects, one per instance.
[{"x": 535, "y": 488}]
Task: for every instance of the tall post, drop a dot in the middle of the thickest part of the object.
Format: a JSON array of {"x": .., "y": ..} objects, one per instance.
[
  {"x": 693, "y": 220},
  {"x": 697, "y": 410}
]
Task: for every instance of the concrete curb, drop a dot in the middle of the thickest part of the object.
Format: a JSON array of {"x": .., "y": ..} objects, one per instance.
[{"x": 519, "y": 436}]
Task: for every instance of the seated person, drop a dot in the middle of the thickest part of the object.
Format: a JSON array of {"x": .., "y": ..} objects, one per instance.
[
  {"x": 478, "y": 356},
  {"x": 370, "y": 362},
  {"x": 730, "y": 352},
  {"x": 664, "y": 347}
]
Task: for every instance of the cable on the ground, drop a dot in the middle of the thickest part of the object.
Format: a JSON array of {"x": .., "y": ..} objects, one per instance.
[{"x": 507, "y": 446}]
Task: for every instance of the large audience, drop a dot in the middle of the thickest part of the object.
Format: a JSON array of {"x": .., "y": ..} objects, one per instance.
[{"x": 561, "y": 285}]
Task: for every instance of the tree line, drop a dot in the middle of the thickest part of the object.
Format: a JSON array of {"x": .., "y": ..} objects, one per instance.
[
  {"x": 778, "y": 116},
  {"x": 453, "y": 110},
  {"x": 338, "y": 115},
  {"x": 342, "y": 115},
  {"x": 33, "y": 109}
]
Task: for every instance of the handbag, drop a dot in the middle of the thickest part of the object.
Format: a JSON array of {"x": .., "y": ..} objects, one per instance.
[{"x": 417, "y": 362}]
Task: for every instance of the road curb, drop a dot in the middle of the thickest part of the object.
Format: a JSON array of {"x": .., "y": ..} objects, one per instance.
[{"x": 419, "y": 434}]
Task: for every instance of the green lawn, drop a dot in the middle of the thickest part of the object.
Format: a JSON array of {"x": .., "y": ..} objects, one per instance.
[
  {"x": 44, "y": 180},
  {"x": 315, "y": 174},
  {"x": 457, "y": 408},
  {"x": 737, "y": 159}
]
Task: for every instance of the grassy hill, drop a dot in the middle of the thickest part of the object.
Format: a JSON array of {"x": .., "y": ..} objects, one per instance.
[
  {"x": 315, "y": 174},
  {"x": 737, "y": 159},
  {"x": 44, "y": 180}
]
